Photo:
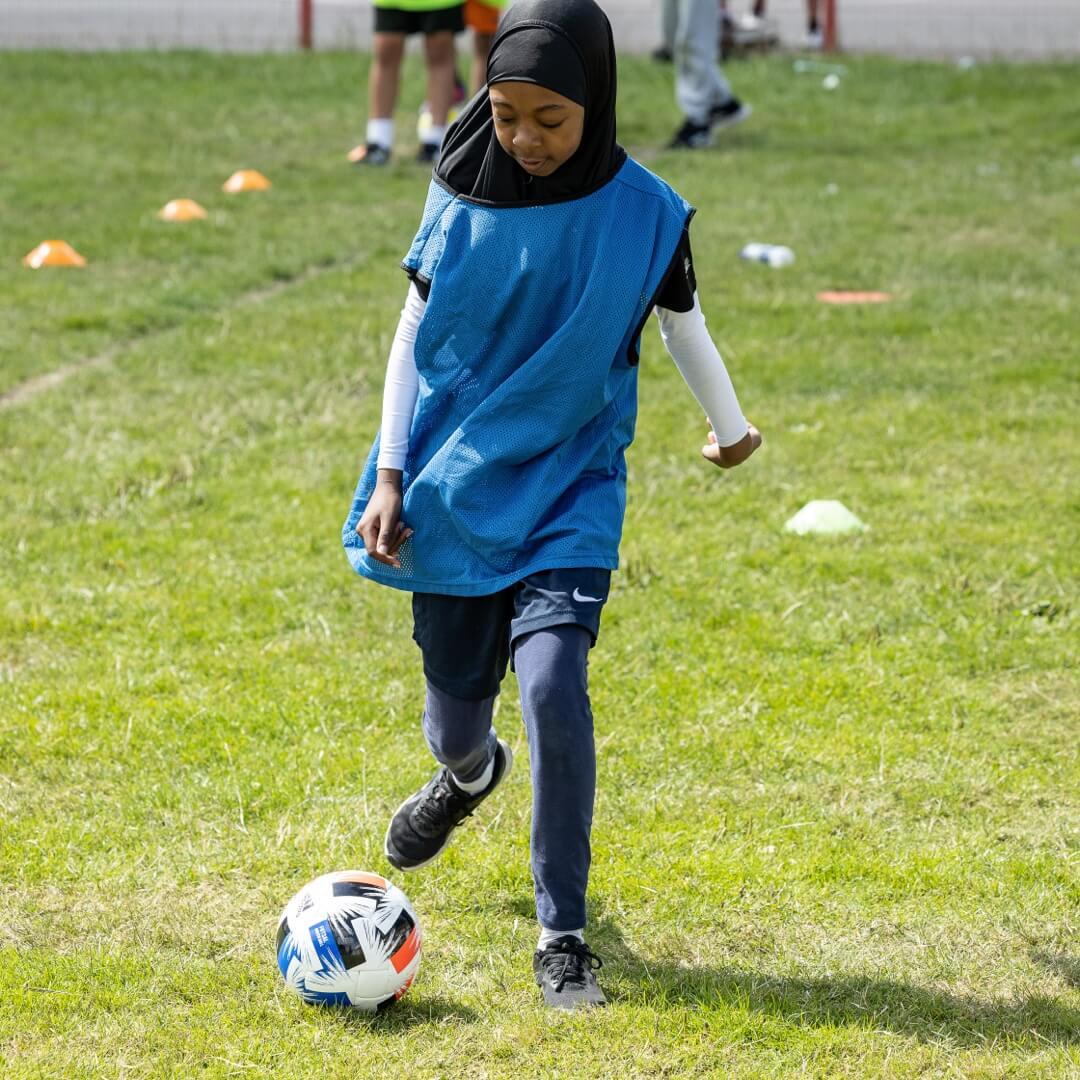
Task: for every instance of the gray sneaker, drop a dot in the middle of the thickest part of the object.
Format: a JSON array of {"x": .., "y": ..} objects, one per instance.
[{"x": 564, "y": 972}]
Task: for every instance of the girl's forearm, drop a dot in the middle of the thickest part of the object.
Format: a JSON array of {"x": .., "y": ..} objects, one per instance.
[{"x": 687, "y": 339}]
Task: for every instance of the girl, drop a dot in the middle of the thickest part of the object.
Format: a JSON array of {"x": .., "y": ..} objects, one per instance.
[{"x": 495, "y": 489}]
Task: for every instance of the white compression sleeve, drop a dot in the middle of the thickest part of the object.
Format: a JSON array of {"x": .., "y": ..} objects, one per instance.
[
  {"x": 401, "y": 386},
  {"x": 686, "y": 338}
]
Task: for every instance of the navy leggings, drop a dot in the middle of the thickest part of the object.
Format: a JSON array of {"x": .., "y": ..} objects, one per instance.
[{"x": 552, "y": 671}]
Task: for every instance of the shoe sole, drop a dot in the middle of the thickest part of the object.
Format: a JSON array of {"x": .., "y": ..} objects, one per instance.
[
  {"x": 571, "y": 1004},
  {"x": 392, "y": 857},
  {"x": 581, "y": 1005}
]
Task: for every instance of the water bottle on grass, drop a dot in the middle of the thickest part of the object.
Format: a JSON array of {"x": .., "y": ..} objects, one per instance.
[{"x": 773, "y": 255}]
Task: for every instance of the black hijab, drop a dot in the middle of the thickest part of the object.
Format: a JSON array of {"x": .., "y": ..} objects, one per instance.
[{"x": 565, "y": 46}]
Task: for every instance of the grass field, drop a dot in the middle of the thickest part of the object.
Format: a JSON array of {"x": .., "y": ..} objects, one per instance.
[{"x": 837, "y": 827}]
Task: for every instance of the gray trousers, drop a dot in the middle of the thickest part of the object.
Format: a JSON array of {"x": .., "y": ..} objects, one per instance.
[{"x": 692, "y": 29}]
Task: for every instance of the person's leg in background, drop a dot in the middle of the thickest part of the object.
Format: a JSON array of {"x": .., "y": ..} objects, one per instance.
[
  {"x": 439, "y": 58},
  {"x": 483, "y": 20},
  {"x": 387, "y": 51},
  {"x": 815, "y": 39},
  {"x": 702, "y": 91},
  {"x": 697, "y": 79},
  {"x": 669, "y": 18},
  {"x": 481, "y": 49}
]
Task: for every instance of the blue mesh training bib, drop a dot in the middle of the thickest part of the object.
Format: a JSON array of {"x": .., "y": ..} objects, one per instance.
[{"x": 527, "y": 356}]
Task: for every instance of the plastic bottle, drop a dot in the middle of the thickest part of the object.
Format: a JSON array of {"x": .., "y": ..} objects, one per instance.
[
  {"x": 803, "y": 67},
  {"x": 773, "y": 255}
]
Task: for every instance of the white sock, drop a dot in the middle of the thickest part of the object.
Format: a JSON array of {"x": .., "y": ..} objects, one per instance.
[
  {"x": 472, "y": 787},
  {"x": 548, "y": 936},
  {"x": 381, "y": 132},
  {"x": 435, "y": 134}
]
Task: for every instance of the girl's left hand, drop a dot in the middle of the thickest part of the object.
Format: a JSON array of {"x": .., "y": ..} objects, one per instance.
[{"x": 727, "y": 457}]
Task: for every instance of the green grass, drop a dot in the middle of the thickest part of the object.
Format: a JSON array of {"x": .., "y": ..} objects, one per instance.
[{"x": 837, "y": 826}]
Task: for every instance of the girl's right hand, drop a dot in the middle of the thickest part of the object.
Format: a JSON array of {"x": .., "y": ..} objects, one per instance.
[{"x": 381, "y": 527}]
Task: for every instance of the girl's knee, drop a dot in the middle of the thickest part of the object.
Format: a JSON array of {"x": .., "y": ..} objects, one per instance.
[
  {"x": 549, "y": 700},
  {"x": 552, "y": 667}
]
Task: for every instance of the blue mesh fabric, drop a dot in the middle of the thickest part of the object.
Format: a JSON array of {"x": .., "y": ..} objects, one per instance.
[{"x": 528, "y": 392}]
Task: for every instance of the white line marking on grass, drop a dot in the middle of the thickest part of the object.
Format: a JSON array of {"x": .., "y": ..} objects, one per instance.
[{"x": 38, "y": 384}]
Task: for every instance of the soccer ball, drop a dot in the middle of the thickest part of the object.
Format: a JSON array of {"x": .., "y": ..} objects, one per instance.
[{"x": 349, "y": 938}]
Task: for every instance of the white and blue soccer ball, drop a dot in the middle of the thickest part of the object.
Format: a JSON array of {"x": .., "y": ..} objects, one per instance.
[{"x": 349, "y": 938}]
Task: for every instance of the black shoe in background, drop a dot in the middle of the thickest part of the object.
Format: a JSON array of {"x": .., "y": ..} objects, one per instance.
[
  {"x": 428, "y": 154},
  {"x": 732, "y": 112},
  {"x": 370, "y": 154},
  {"x": 691, "y": 136}
]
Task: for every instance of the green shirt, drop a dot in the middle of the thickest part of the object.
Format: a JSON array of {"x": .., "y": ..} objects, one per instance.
[{"x": 417, "y": 5}]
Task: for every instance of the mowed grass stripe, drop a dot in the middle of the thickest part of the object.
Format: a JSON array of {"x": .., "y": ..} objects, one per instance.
[{"x": 39, "y": 384}]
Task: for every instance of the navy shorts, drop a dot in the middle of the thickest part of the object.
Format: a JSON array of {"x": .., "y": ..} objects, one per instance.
[
  {"x": 390, "y": 20},
  {"x": 467, "y": 640}
]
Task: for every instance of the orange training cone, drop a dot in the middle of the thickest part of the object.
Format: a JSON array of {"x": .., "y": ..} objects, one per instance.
[
  {"x": 181, "y": 210},
  {"x": 53, "y": 253},
  {"x": 245, "y": 180}
]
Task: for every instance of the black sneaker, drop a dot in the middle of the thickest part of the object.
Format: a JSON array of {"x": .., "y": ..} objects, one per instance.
[
  {"x": 422, "y": 825},
  {"x": 732, "y": 112},
  {"x": 691, "y": 136},
  {"x": 428, "y": 154},
  {"x": 662, "y": 55},
  {"x": 564, "y": 972},
  {"x": 370, "y": 154}
]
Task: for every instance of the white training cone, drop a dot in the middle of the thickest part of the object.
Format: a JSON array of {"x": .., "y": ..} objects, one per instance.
[{"x": 824, "y": 517}]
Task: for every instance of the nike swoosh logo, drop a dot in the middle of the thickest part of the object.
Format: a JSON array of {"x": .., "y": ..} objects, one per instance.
[{"x": 580, "y": 597}]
